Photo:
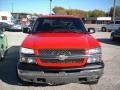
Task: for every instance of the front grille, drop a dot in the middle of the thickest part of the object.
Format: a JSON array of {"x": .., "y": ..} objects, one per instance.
[
  {"x": 66, "y": 52},
  {"x": 55, "y": 53},
  {"x": 66, "y": 61}
]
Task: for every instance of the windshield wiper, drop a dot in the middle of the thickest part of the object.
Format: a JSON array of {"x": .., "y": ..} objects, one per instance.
[
  {"x": 75, "y": 31},
  {"x": 68, "y": 30}
]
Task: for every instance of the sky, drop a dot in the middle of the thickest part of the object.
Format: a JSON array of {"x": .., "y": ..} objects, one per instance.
[{"x": 43, "y": 6}]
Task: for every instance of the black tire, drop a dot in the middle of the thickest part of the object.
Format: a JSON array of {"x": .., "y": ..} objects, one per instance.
[
  {"x": 113, "y": 38},
  {"x": 91, "y": 82},
  {"x": 104, "y": 29}
]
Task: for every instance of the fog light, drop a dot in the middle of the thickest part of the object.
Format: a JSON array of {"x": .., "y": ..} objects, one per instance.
[
  {"x": 94, "y": 59},
  {"x": 30, "y": 60},
  {"x": 27, "y": 60}
]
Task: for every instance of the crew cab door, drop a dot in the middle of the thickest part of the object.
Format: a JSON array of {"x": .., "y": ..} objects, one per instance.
[
  {"x": 113, "y": 26},
  {"x": 116, "y": 25}
]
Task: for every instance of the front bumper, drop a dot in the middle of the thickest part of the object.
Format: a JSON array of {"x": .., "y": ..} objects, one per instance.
[{"x": 57, "y": 76}]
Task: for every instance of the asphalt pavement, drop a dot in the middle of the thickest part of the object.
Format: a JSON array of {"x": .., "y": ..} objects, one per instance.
[{"x": 109, "y": 81}]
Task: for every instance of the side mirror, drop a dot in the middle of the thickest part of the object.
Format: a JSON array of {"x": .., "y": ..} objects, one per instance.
[
  {"x": 26, "y": 30},
  {"x": 91, "y": 30}
]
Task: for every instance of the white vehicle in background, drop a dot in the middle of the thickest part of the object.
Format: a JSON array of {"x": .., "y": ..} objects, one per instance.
[
  {"x": 111, "y": 26},
  {"x": 16, "y": 27},
  {"x": 6, "y": 16}
]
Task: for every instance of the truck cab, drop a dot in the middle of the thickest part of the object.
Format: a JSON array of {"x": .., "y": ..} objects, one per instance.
[{"x": 112, "y": 26}]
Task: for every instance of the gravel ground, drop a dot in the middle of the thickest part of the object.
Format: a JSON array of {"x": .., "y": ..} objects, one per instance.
[{"x": 109, "y": 81}]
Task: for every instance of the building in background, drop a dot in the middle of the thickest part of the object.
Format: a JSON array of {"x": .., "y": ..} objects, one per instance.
[
  {"x": 6, "y": 16},
  {"x": 97, "y": 20}
]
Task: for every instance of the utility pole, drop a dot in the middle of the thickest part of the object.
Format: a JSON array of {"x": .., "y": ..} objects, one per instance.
[
  {"x": 50, "y": 6},
  {"x": 12, "y": 6},
  {"x": 114, "y": 6}
]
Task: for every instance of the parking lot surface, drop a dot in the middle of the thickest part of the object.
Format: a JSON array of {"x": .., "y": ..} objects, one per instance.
[{"x": 109, "y": 81}]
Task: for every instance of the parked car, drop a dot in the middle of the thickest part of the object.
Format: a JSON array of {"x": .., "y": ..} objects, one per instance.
[
  {"x": 3, "y": 44},
  {"x": 115, "y": 35},
  {"x": 4, "y": 26},
  {"x": 111, "y": 26},
  {"x": 31, "y": 24},
  {"x": 16, "y": 27},
  {"x": 59, "y": 50}
]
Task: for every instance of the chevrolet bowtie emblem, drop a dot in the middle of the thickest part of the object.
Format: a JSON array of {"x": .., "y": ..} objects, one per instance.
[{"x": 62, "y": 57}]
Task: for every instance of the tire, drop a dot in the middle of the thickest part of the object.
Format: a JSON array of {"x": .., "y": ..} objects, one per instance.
[
  {"x": 113, "y": 38},
  {"x": 91, "y": 82},
  {"x": 104, "y": 29}
]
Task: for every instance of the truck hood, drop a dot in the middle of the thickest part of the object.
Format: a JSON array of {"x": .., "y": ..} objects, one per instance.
[{"x": 60, "y": 41}]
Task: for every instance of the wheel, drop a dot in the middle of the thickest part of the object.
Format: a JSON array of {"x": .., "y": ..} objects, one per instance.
[
  {"x": 104, "y": 29},
  {"x": 112, "y": 37}
]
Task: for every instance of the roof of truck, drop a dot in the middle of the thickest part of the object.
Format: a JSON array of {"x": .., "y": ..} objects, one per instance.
[{"x": 59, "y": 16}]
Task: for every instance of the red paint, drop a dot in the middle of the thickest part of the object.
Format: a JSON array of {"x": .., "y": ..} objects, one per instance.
[{"x": 60, "y": 41}]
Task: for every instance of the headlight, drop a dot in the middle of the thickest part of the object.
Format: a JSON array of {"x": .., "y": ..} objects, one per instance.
[
  {"x": 27, "y": 55},
  {"x": 96, "y": 55},
  {"x": 94, "y": 51},
  {"x": 26, "y": 51}
]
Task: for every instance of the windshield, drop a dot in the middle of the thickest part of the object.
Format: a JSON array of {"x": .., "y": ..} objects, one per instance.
[{"x": 59, "y": 25}]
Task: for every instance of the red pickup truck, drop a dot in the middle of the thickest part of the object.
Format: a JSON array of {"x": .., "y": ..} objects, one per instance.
[{"x": 59, "y": 50}]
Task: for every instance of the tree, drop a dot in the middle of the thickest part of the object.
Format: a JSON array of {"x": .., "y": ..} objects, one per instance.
[
  {"x": 59, "y": 11},
  {"x": 76, "y": 12},
  {"x": 96, "y": 13}
]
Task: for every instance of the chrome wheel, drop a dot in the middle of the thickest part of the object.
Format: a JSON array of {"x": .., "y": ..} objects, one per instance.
[{"x": 104, "y": 29}]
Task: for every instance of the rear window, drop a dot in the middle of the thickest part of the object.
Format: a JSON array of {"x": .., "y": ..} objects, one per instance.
[{"x": 58, "y": 25}]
